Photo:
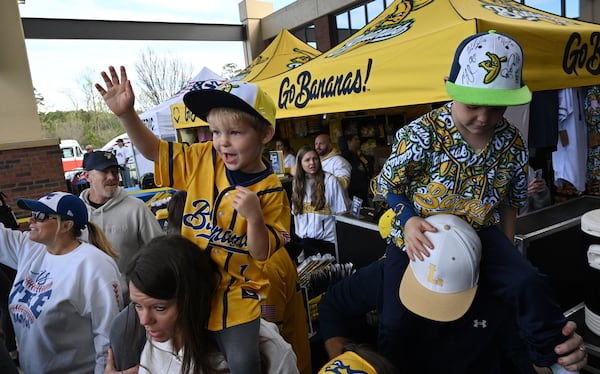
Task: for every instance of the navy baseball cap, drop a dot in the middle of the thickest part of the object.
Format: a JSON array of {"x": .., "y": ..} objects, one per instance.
[
  {"x": 100, "y": 160},
  {"x": 66, "y": 205}
]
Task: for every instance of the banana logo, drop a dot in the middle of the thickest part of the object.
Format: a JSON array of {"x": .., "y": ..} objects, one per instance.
[
  {"x": 227, "y": 87},
  {"x": 401, "y": 147},
  {"x": 303, "y": 57},
  {"x": 399, "y": 14},
  {"x": 492, "y": 66},
  {"x": 402, "y": 10},
  {"x": 445, "y": 168},
  {"x": 394, "y": 21},
  {"x": 446, "y": 138}
]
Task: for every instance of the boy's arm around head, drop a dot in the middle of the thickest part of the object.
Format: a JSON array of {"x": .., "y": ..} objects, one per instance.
[{"x": 119, "y": 97}]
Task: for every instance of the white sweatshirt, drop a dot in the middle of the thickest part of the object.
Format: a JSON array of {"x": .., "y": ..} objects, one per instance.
[{"x": 61, "y": 306}]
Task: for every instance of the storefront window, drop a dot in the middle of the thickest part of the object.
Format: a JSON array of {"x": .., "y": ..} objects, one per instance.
[
  {"x": 562, "y": 8},
  {"x": 342, "y": 22},
  {"x": 350, "y": 21},
  {"x": 374, "y": 8},
  {"x": 307, "y": 35},
  {"x": 358, "y": 19}
]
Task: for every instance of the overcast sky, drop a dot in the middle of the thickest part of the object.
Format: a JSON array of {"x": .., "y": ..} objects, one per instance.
[{"x": 57, "y": 65}]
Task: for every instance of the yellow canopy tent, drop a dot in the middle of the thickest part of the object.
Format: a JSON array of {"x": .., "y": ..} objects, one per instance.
[
  {"x": 402, "y": 56},
  {"x": 172, "y": 113},
  {"x": 284, "y": 53}
]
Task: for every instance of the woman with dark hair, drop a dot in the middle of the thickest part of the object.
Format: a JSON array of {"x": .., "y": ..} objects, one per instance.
[
  {"x": 283, "y": 145},
  {"x": 171, "y": 282},
  {"x": 66, "y": 291},
  {"x": 317, "y": 196}
]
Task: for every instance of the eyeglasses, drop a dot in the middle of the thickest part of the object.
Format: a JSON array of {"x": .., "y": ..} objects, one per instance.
[{"x": 41, "y": 216}]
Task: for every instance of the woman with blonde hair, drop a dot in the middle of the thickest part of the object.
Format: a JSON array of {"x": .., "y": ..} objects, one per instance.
[
  {"x": 317, "y": 196},
  {"x": 66, "y": 292}
]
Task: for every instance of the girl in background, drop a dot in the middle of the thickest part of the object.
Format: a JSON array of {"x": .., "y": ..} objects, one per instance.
[{"x": 317, "y": 196}]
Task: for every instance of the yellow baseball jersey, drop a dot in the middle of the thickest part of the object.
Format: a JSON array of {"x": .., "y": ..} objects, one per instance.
[
  {"x": 284, "y": 306},
  {"x": 211, "y": 222}
]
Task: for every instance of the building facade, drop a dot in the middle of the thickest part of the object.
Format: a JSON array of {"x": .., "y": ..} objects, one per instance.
[{"x": 325, "y": 23}]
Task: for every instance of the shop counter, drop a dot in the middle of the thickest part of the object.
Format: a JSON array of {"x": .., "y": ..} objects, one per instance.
[
  {"x": 358, "y": 240},
  {"x": 551, "y": 238},
  {"x": 551, "y": 220}
]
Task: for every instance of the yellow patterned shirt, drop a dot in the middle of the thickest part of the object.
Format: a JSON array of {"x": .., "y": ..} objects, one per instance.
[{"x": 438, "y": 172}]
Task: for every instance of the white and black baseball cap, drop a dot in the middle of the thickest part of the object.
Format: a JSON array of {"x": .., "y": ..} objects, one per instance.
[{"x": 245, "y": 96}]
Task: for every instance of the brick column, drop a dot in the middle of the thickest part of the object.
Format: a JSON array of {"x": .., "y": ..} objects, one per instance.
[{"x": 30, "y": 170}]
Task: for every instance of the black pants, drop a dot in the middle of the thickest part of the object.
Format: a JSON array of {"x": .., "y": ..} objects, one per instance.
[{"x": 7, "y": 276}]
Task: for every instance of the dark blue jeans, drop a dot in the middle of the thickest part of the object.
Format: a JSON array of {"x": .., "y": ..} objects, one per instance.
[
  {"x": 239, "y": 344},
  {"x": 508, "y": 274}
]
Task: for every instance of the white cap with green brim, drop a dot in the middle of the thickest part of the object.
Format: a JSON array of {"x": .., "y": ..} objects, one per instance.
[{"x": 487, "y": 71}]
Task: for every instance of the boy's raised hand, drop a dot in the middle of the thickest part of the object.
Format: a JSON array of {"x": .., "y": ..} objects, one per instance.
[
  {"x": 416, "y": 243},
  {"x": 118, "y": 94}
]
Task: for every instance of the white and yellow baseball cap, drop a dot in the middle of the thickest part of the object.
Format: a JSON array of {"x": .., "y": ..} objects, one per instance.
[
  {"x": 244, "y": 96},
  {"x": 487, "y": 70},
  {"x": 443, "y": 285}
]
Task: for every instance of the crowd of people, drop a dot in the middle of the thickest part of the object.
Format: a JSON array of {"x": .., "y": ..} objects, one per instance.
[{"x": 101, "y": 287}]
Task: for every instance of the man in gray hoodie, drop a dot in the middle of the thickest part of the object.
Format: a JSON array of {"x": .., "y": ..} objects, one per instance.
[{"x": 127, "y": 222}]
